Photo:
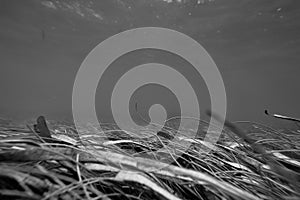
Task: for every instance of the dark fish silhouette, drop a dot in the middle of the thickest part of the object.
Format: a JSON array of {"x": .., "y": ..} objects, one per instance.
[
  {"x": 43, "y": 131},
  {"x": 41, "y": 127},
  {"x": 43, "y": 34},
  {"x": 165, "y": 135}
]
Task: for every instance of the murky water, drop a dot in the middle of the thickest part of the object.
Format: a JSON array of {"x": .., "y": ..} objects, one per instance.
[{"x": 255, "y": 44}]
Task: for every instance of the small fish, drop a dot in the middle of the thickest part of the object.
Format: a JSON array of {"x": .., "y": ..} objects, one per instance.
[
  {"x": 282, "y": 116},
  {"x": 41, "y": 127},
  {"x": 165, "y": 135}
]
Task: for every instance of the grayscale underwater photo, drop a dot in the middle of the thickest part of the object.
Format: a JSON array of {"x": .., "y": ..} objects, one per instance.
[{"x": 150, "y": 99}]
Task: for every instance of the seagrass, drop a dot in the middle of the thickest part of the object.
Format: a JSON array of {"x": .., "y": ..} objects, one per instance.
[{"x": 250, "y": 161}]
